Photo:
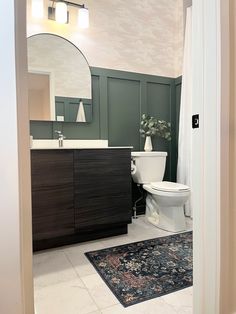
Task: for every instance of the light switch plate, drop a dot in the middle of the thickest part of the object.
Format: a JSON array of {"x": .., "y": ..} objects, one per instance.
[{"x": 195, "y": 121}]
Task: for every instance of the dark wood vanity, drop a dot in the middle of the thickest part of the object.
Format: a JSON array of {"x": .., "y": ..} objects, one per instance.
[{"x": 79, "y": 195}]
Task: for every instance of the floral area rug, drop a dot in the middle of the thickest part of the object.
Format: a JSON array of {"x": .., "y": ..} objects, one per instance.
[{"x": 143, "y": 270}]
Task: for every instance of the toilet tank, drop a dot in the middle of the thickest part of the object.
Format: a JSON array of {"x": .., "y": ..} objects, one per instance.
[{"x": 148, "y": 166}]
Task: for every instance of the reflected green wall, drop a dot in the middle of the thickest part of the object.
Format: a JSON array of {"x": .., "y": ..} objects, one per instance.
[{"x": 119, "y": 99}]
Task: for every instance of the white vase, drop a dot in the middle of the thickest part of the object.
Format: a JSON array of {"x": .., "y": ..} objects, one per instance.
[{"x": 148, "y": 144}]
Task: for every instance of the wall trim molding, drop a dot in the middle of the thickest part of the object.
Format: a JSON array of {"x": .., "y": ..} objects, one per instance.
[
  {"x": 178, "y": 80},
  {"x": 130, "y": 75}
]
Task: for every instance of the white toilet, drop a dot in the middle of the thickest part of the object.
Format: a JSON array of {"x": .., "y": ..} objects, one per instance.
[{"x": 165, "y": 200}]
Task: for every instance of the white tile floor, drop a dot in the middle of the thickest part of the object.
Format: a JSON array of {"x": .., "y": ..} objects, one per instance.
[{"x": 66, "y": 283}]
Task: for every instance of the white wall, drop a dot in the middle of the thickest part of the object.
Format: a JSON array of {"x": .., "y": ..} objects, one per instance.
[
  {"x": 139, "y": 36},
  {"x": 16, "y": 291}
]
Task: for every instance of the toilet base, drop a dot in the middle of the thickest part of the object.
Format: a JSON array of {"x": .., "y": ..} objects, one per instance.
[
  {"x": 172, "y": 219},
  {"x": 168, "y": 218}
]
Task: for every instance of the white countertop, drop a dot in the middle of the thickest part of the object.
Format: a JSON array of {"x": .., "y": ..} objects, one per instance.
[
  {"x": 109, "y": 147},
  {"x": 74, "y": 144}
]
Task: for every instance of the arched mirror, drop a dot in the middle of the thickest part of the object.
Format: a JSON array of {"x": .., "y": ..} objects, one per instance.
[{"x": 59, "y": 80}]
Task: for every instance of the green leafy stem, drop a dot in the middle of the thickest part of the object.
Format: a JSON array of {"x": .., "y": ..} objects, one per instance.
[{"x": 150, "y": 126}]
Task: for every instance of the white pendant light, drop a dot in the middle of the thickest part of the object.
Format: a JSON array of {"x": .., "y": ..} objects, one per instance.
[
  {"x": 37, "y": 8},
  {"x": 83, "y": 18},
  {"x": 61, "y": 13}
]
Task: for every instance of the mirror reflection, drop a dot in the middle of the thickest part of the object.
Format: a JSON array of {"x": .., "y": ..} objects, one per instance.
[{"x": 59, "y": 80}]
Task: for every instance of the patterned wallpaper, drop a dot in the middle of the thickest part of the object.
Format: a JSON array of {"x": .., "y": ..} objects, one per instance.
[{"x": 138, "y": 36}]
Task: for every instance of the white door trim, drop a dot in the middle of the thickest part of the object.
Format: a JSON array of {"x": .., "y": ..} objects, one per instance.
[
  {"x": 207, "y": 157},
  {"x": 207, "y": 152},
  {"x": 16, "y": 284}
]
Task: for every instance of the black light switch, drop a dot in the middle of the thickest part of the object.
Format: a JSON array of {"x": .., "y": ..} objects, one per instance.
[{"x": 195, "y": 121}]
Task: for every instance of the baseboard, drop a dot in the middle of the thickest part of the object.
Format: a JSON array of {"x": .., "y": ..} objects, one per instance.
[{"x": 79, "y": 237}]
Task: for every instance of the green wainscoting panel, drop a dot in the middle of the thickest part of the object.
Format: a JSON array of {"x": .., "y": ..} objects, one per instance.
[
  {"x": 123, "y": 112},
  {"x": 178, "y": 85},
  {"x": 143, "y": 106},
  {"x": 129, "y": 75},
  {"x": 159, "y": 100},
  {"x": 41, "y": 129},
  {"x": 159, "y": 106},
  {"x": 59, "y": 107},
  {"x": 173, "y": 150},
  {"x": 118, "y": 100},
  {"x": 103, "y": 107}
]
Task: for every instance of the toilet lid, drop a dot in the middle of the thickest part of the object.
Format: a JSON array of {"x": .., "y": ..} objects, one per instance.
[{"x": 169, "y": 186}]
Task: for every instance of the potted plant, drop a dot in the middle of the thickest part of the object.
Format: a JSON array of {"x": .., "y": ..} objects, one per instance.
[{"x": 150, "y": 126}]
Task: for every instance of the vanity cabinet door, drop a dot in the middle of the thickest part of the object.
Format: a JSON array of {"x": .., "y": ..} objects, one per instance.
[
  {"x": 52, "y": 193},
  {"x": 102, "y": 188}
]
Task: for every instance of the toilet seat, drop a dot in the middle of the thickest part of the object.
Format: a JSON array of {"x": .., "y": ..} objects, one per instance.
[{"x": 166, "y": 186}]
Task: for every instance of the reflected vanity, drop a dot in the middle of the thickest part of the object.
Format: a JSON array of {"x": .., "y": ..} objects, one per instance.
[{"x": 59, "y": 80}]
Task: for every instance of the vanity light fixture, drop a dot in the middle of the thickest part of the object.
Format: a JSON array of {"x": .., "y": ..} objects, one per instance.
[
  {"x": 61, "y": 12},
  {"x": 37, "y": 9},
  {"x": 83, "y": 18},
  {"x": 58, "y": 11}
]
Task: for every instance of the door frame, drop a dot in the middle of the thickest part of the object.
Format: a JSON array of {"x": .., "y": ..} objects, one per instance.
[{"x": 210, "y": 151}]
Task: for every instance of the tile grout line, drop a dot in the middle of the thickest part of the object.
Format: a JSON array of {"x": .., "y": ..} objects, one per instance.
[
  {"x": 171, "y": 305},
  {"x": 77, "y": 275},
  {"x": 100, "y": 309},
  {"x": 85, "y": 288}
]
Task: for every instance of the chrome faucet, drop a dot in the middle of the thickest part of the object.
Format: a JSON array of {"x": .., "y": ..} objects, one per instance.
[{"x": 61, "y": 137}]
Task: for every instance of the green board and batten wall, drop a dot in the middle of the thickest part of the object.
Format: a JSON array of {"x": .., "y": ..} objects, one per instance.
[{"x": 119, "y": 99}]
